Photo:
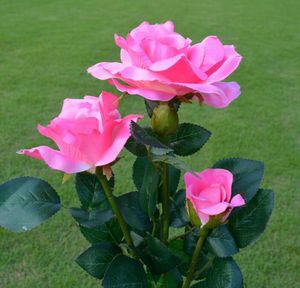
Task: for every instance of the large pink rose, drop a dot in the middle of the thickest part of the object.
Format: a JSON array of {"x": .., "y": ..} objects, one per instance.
[
  {"x": 89, "y": 132},
  {"x": 160, "y": 64},
  {"x": 210, "y": 193}
]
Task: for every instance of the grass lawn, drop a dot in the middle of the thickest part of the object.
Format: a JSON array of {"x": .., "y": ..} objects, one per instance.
[{"x": 46, "y": 47}]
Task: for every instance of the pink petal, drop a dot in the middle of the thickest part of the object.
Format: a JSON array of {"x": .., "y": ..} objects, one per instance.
[
  {"x": 226, "y": 67},
  {"x": 150, "y": 94},
  {"x": 237, "y": 201},
  {"x": 215, "y": 209},
  {"x": 56, "y": 160},
  {"x": 213, "y": 52},
  {"x": 119, "y": 136},
  {"x": 178, "y": 69}
]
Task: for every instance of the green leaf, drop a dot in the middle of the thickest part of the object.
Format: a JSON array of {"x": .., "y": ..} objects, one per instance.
[
  {"x": 174, "y": 177},
  {"x": 91, "y": 219},
  {"x": 247, "y": 175},
  {"x": 150, "y": 105},
  {"x": 146, "y": 179},
  {"x": 249, "y": 222},
  {"x": 135, "y": 148},
  {"x": 171, "y": 279},
  {"x": 177, "y": 248},
  {"x": 141, "y": 136},
  {"x": 108, "y": 232},
  {"x": 26, "y": 202},
  {"x": 159, "y": 257},
  {"x": 178, "y": 215},
  {"x": 221, "y": 243},
  {"x": 132, "y": 211},
  {"x": 125, "y": 272},
  {"x": 90, "y": 191},
  {"x": 189, "y": 139},
  {"x": 172, "y": 160},
  {"x": 96, "y": 259},
  {"x": 225, "y": 273},
  {"x": 200, "y": 284}
]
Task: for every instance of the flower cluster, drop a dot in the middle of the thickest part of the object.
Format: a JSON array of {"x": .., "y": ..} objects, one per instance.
[{"x": 129, "y": 233}]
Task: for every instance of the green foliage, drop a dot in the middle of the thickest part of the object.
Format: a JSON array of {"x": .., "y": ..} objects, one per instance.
[
  {"x": 90, "y": 191},
  {"x": 125, "y": 272},
  {"x": 225, "y": 273},
  {"x": 178, "y": 214},
  {"x": 26, "y": 202},
  {"x": 96, "y": 259},
  {"x": 91, "y": 219},
  {"x": 189, "y": 139},
  {"x": 221, "y": 243},
  {"x": 142, "y": 136},
  {"x": 158, "y": 257},
  {"x": 108, "y": 232},
  {"x": 247, "y": 175},
  {"x": 146, "y": 179},
  {"x": 249, "y": 222},
  {"x": 132, "y": 211}
]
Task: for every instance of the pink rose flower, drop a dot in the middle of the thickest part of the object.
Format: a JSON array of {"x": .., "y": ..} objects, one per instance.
[
  {"x": 210, "y": 193},
  {"x": 89, "y": 132},
  {"x": 160, "y": 64}
]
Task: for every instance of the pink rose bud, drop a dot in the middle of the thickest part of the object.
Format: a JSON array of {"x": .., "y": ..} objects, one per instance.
[
  {"x": 160, "y": 64},
  {"x": 209, "y": 194},
  {"x": 88, "y": 132}
]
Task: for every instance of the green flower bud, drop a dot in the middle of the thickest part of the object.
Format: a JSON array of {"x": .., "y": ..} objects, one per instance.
[{"x": 164, "y": 119}]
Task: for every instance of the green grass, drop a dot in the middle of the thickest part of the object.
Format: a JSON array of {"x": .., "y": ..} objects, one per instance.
[{"x": 46, "y": 47}]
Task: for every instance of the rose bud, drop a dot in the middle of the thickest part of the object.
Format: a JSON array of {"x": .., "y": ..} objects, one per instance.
[{"x": 209, "y": 196}]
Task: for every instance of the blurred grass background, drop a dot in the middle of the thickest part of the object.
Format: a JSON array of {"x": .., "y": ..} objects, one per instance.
[{"x": 46, "y": 47}]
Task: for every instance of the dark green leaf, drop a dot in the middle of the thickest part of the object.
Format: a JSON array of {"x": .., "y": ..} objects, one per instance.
[
  {"x": 146, "y": 179},
  {"x": 249, "y": 222},
  {"x": 178, "y": 214},
  {"x": 177, "y": 248},
  {"x": 132, "y": 211},
  {"x": 90, "y": 191},
  {"x": 150, "y": 105},
  {"x": 190, "y": 241},
  {"x": 136, "y": 148},
  {"x": 172, "y": 160},
  {"x": 108, "y": 232},
  {"x": 159, "y": 257},
  {"x": 247, "y": 175},
  {"x": 174, "y": 177},
  {"x": 221, "y": 243},
  {"x": 225, "y": 273},
  {"x": 91, "y": 219},
  {"x": 96, "y": 259},
  {"x": 125, "y": 272},
  {"x": 189, "y": 139},
  {"x": 200, "y": 284},
  {"x": 141, "y": 136},
  {"x": 26, "y": 202},
  {"x": 172, "y": 279}
]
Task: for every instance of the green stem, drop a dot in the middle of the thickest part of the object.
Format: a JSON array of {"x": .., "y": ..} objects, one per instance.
[
  {"x": 165, "y": 203},
  {"x": 189, "y": 278},
  {"x": 111, "y": 199}
]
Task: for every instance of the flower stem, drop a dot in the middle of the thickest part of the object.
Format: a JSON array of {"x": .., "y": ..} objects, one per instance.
[
  {"x": 190, "y": 276},
  {"x": 111, "y": 199},
  {"x": 165, "y": 203}
]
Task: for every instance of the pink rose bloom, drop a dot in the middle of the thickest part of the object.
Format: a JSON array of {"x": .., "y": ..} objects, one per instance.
[
  {"x": 210, "y": 193},
  {"x": 89, "y": 132},
  {"x": 160, "y": 64}
]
